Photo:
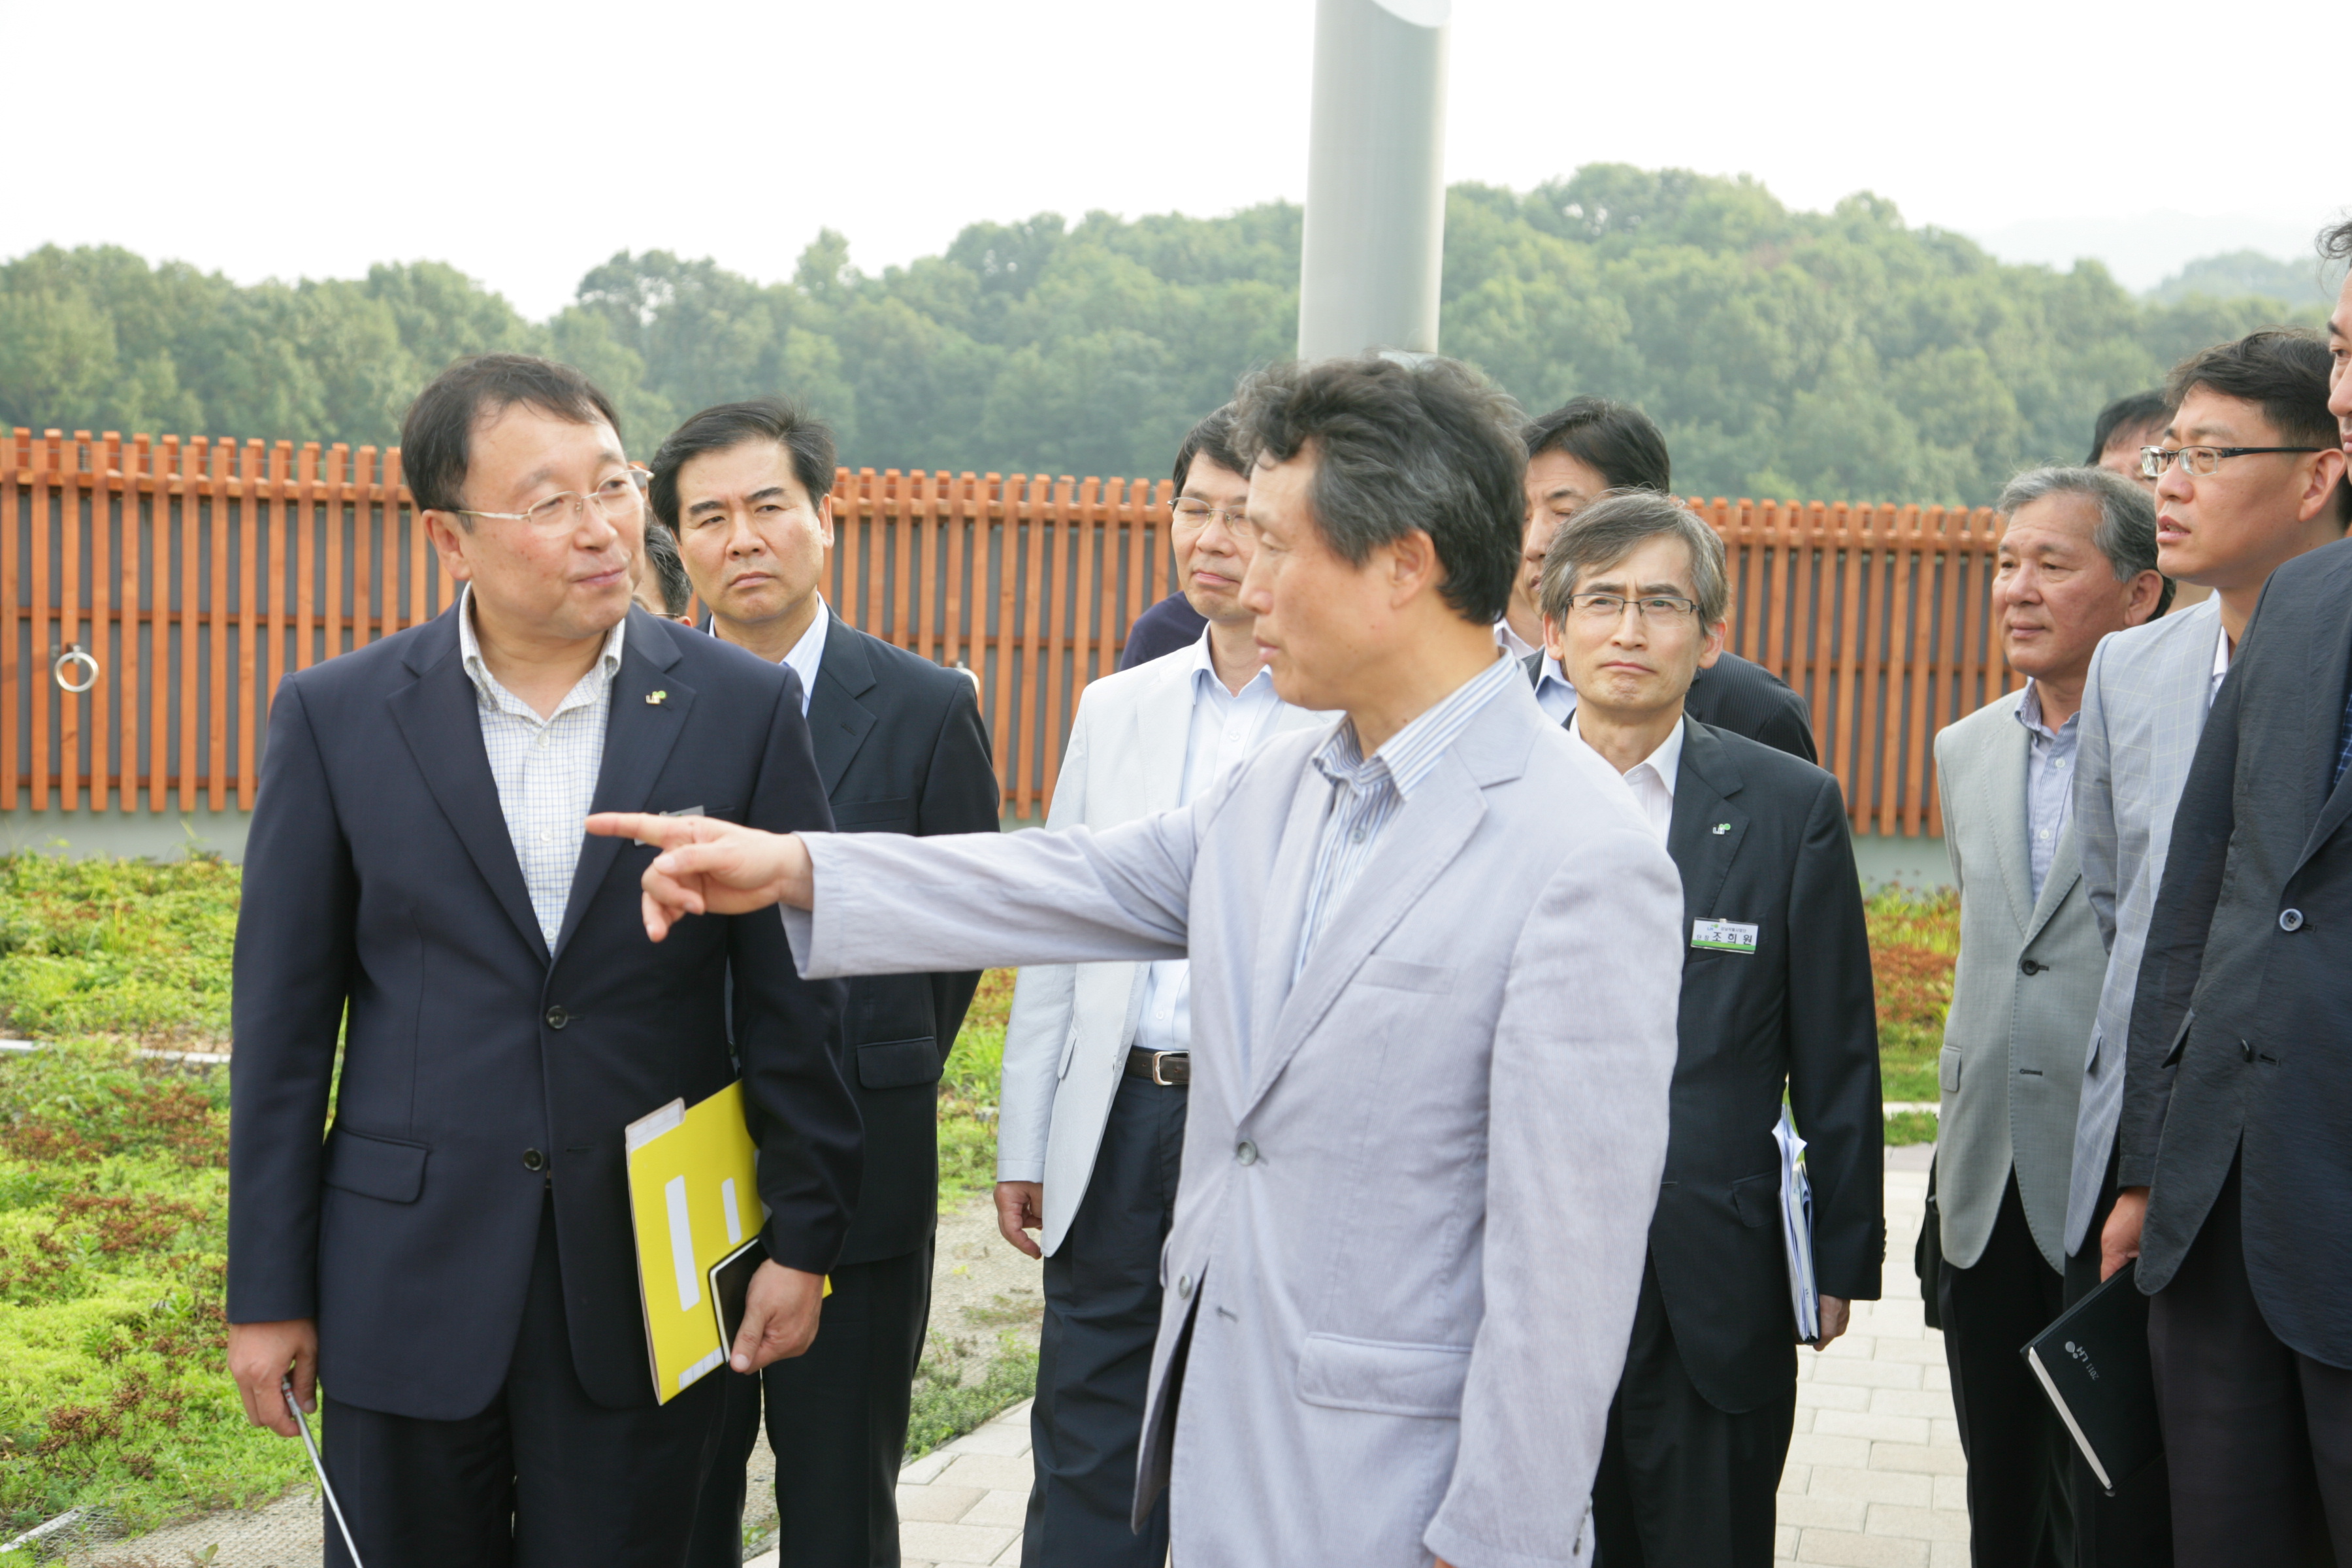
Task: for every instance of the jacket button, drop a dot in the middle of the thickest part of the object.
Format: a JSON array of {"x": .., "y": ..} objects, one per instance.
[
  {"x": 557, "y": 1017},
  {"x": 2031, "y": 967},
  {"x": 1245, "y": 1153},
  {"x": 533, "y": 1160},
  {"x": 1184, "y": 1287},
  {"x": 2290, "y": 919}
]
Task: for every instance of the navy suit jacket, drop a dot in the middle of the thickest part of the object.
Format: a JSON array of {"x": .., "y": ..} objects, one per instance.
[{"x": 483, "y": 1076}]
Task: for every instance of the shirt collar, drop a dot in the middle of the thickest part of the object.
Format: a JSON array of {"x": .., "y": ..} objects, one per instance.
[
  {"x": 469, "y": 648},
  {"x": 808, "y": 654},
  {"x": 1511, "y": 642},
  {"x": 2220, "y": 653},
  {"x": 2028, "y": 713},
  {"x": 1413, "y": 752},
  {"x": 1665, "y": 761},
  {"x": 1201, "y": 666},
  {"x": 1553, "y": 675}
]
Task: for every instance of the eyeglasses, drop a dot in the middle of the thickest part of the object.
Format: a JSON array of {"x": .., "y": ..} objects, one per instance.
[
  {"x": 1197, "y": 513},
  {"x": 1602, "y": 608},
  {"x": 620, "y": 497},
  {"x": 2202, "y": 461}
]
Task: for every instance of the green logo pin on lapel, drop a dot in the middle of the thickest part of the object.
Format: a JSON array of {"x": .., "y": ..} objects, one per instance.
[
  {"x": 655, "y": 698},
  {"x": 1722, "y": 827}
]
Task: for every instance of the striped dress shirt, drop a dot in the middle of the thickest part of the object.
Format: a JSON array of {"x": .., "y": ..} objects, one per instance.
[
  {"x": 1366, "y": 791},
  {"x": 545, "y": 768}
]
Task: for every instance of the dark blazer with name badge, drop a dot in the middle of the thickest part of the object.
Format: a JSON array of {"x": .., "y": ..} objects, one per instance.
[
  {"x": 2240, "y": 1037},
  {"x": 900, "y": 747},
  {"x": 483, "y": 1073},
  {"x": 1760, "y": 838},
  {"x": 1739, "y": 696}
]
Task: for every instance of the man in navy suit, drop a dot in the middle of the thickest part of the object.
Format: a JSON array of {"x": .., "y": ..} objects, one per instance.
[
  {"x": 900, "y": 747},
  {"x": 454, "y": 1263}
]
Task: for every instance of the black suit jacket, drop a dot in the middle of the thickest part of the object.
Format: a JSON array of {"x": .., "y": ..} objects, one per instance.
[
  {"x": 2241, "y": 1040},
  {"x": 1740, "y": 696},
  {"x": 1760, "y": 838},
  {"x": 480, "y": 1070},
  {"x": 900, "y": 749}
]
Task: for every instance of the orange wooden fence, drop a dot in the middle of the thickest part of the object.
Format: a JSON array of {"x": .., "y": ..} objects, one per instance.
[{"x": 194, "y": 573}]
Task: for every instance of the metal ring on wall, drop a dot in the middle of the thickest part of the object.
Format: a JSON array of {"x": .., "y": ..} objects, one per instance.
[{"x": 76, "y": 654}]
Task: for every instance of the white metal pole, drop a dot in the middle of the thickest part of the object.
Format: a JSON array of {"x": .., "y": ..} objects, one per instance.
[{"x": 1375, "y": 231}]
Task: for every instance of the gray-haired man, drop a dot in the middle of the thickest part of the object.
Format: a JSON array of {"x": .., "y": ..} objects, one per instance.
[{"x": 2077, "y": 561}]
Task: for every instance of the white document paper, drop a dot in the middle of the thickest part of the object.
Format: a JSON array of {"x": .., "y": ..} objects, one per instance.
[{"x": 1797, "y": 1230}]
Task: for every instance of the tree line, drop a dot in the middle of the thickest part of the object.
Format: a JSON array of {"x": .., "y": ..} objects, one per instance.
[{"x": 1843, "y": 354}]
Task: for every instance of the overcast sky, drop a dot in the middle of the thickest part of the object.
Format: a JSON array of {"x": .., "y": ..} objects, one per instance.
[{"x": 527, "y": 143}]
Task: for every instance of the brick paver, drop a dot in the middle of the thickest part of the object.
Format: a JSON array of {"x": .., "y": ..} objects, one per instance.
[{"x": 1872, "y": 1479}]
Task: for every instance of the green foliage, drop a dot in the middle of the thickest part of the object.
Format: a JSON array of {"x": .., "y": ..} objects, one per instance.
[
  {"x": 131, "y": 947},
  {"x": 950, "y": 1400},
  {"x": 1914, "y": 941},
  {"x": 968, "y": 1093},
  {"x": 1824, "y": 355}
]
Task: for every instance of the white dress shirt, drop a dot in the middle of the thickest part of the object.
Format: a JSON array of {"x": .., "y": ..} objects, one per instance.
[
  {"x": 809, "y": 652},
  {"x": 1511, "y": 642},
  {"x": 1554, "y": 695},
  {"x": 1226, "y": 726},
  {"x": 2049, "y": 783},
  {"x": 545, "y": 769},
  {"x": 1652, "y": 779},
  {"x": 2220, "y": 666}
]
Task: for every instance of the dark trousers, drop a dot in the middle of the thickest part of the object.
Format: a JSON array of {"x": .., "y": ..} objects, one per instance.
[
  {"x": 1682, "y": 1484},
  {"x": 2258, "y": 1439},
  {"x": 837, "y": 1424},
  {"x": 1094, "y": 1360},
  {"x": 544, "y": 1477},
  {"x": 2020, "y": 1456},
  {"x": 2132, "y": 1529}
]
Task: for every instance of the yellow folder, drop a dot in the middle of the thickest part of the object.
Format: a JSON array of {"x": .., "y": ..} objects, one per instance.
[{"x": 694, "y": 1197}]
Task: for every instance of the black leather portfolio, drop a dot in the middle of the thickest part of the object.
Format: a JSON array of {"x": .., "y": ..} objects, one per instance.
[{"x": 2093, "y": 1363}]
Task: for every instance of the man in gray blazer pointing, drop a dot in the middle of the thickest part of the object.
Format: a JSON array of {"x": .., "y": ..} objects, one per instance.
[{"x": 1435, "y": 953}]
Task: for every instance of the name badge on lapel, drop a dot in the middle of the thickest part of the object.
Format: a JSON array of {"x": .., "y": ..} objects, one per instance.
[{"x": 1724, "y": 936}]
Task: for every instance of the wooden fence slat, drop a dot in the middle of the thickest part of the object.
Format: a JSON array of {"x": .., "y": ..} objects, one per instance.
[
  {"x": 138, "y": 489},
  {"x": 15, "y": 457},
  {"x": 1005, "y": 545}
]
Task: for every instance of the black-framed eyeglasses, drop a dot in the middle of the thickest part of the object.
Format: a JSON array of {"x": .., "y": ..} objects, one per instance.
[
  {"x": 622, "y": 496},
  {"x": 2202, "y": 461},
  {"x": 1604, "y": 607}
]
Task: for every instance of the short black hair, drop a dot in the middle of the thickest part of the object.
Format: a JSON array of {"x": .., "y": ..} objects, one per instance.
[
  {"x": 2140, "y": 411},
  {"x": 668, "y": 568},
  {"x": 1211, "y": 438},
  {"x": 1622, "y": 443},
  {"x": 2285, "y": 371},
  {"x": 437, "y": 434},
  {"x": 1401, "y": 445},
  {"x": 808, "y": 438},
  {"x": 2336, "y": 241}
]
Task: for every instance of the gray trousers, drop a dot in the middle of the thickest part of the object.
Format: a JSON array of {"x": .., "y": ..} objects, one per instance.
[{"x": 1094, "y": 1363}]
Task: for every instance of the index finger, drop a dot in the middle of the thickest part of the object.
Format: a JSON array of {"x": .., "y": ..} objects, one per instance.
[{"x": 645, "y": 826}]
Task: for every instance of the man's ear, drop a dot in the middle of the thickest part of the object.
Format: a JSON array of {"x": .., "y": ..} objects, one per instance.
[
  {"x": 2140, "y": 600},
  {"x": 449, "y": 541},
  {"x": 2327, "y": 473},
  {"x": 824, "y": 518},
  {"x": 1413, "y": 567},
  {"x": 1712, "y": 649}
]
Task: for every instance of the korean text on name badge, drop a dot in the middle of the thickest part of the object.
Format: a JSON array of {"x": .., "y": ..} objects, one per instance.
[{"x": 1723, "y": 936}]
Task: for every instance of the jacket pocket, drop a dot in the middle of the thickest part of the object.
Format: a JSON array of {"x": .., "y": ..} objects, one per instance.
[
  {"x": 383, "y": 1168},
  {"x": 1947, "y": 1070},
  {"x": 1381, "y": 1376},
  {"x": 1756, "y": 1200},
  {"x": 865, "y": 815},
  {"x": 898, "y": 1064},
  {"x": 1397, "y": 975}
]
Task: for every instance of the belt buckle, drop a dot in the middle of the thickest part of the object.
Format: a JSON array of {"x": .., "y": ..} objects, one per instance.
[{"x": 1159, "y": 1063}]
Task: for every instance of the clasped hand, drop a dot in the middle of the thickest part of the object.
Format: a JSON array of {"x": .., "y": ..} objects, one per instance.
[{"x": 708, "y": 866}]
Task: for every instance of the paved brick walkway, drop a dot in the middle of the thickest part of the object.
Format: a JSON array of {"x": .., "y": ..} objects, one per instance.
[{"x": 1873, "y": 1476}]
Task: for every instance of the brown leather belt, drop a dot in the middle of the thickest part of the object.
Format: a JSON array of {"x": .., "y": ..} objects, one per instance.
[{"x": 1171, "y": 1069}]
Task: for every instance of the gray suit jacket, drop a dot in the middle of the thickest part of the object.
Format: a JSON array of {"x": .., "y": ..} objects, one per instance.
[
  {"x": 1418, "y": 1179},
  {"x": 2022, "y": 996},
  {"x": 2143, "y": 710},
  {"x": 1066, "y": 1044}
]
